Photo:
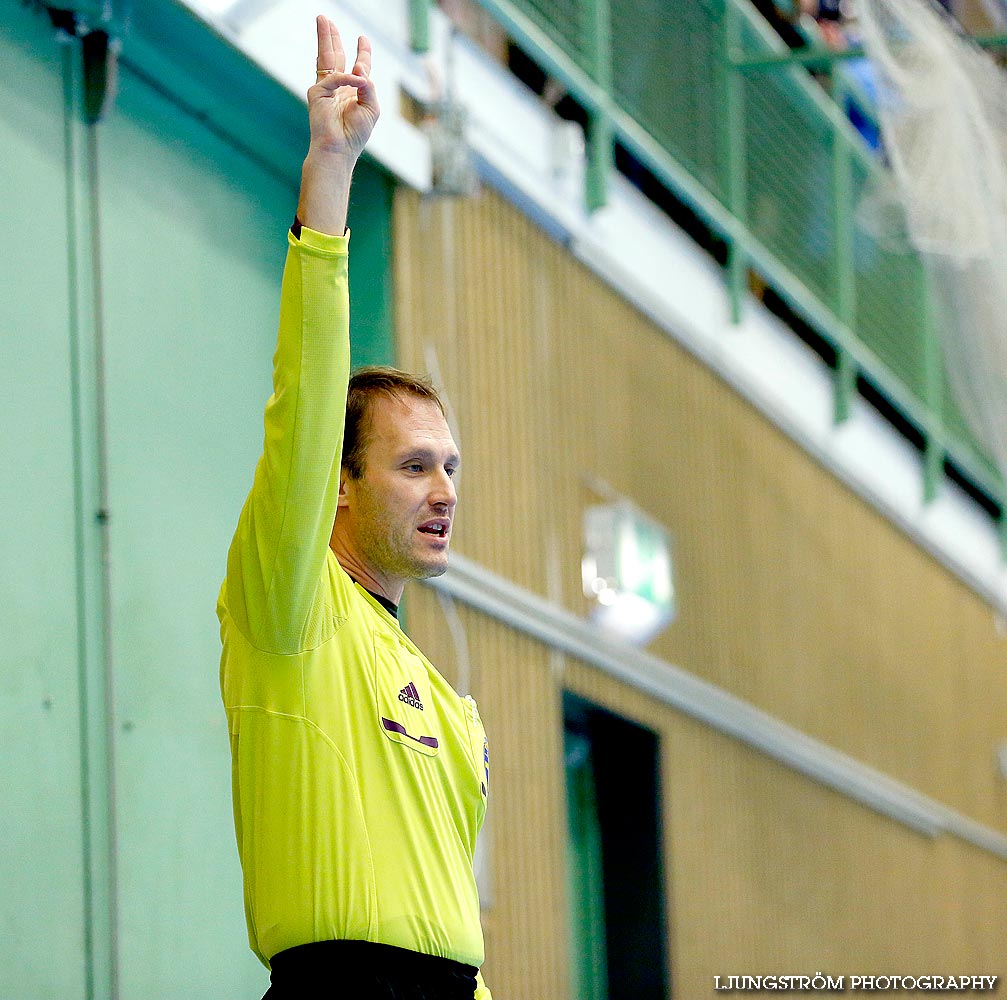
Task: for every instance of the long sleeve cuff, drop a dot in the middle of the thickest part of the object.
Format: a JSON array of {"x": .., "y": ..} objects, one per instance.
[{"x": 318, "y": 241}]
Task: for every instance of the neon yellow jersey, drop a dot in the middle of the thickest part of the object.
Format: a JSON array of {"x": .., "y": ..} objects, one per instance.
[{"x": 358, "y": 774}]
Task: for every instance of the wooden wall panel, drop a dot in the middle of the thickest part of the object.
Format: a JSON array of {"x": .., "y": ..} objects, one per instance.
[{"x": 794, "y": 595}]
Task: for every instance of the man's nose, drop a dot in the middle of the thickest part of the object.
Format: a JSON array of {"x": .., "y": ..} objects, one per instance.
[{"x": 443, "y": 491}]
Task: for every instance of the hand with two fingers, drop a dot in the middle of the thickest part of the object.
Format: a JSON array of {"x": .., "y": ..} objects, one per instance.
[
  {"x": 342, "y": 106},
  {"x": 342, "y": 112}
]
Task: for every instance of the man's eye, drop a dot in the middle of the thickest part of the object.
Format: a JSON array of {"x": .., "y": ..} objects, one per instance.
[
  {"x": 450, "y": 471},
  {"x": 415, "y": 467}
]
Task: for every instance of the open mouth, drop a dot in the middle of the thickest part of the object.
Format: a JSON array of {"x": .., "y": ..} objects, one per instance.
[{"x": 438, "y": 529}]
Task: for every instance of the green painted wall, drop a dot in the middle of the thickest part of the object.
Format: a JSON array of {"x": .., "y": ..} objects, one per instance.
[
  {"x": 41, "y": 901},
  {"x": 371, "y": 293},
  {"x": 139, "y": 293}
]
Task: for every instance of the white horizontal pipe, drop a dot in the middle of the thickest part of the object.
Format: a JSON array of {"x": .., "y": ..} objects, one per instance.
[{"x": 534, "y": 616}]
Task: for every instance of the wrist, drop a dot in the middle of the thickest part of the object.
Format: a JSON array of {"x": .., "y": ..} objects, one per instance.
[
  {"x": 333, "y": 165},
  {"x": 325, "y": 191}
]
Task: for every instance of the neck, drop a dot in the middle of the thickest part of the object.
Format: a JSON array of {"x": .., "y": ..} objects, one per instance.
[{"x": 377, "y": 583}]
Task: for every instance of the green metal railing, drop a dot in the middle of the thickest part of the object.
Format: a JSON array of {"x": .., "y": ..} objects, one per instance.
[{"x": 708, "y": 97}]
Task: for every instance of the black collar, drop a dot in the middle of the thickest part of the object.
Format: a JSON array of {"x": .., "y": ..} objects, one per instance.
[{"x": 392, "y": 609}]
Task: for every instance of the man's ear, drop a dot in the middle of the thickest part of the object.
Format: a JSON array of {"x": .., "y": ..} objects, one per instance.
[{"x": 344, "y": 476}]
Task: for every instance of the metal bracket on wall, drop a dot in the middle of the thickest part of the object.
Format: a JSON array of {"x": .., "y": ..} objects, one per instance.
[{"x": 100, "y": 28}]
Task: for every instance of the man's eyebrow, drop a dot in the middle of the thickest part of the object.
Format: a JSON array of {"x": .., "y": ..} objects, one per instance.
[{"x": 430, "y": 456}]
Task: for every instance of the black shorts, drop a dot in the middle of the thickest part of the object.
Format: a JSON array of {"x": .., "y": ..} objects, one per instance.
[{"x": 361, "y": 970}]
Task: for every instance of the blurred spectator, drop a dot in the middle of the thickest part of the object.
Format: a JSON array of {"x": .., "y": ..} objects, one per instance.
[
  {"x": 861, "y": 73},
  {"x": 828, "y": 15},
  {"x": 835, "y": 26}
]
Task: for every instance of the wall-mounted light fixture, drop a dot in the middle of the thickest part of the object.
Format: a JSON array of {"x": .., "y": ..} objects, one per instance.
[{"x": 627, "y": 571}]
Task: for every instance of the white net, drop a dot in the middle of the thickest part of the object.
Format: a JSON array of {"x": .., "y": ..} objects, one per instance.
[{"x": 942, "y": 104}]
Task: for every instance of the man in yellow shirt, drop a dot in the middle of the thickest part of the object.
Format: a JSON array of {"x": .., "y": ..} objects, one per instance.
[{"x": 359, "y": 776}]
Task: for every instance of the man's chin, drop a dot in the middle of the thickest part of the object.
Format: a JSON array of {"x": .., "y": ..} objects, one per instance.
[{"x": 429, "y": 568}]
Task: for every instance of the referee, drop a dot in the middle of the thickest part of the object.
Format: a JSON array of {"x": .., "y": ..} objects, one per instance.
[{"x": 358, "y": 774}]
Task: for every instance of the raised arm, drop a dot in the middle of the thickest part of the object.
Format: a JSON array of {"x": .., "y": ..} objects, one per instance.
[{"x": 280, "y": 547}]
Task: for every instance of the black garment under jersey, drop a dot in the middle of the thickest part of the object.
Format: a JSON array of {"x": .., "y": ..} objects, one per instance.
[{"x": 362, "y": 970}]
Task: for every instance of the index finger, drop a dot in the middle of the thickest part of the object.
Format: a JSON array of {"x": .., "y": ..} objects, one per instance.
[{"x": 331, "y": 57}]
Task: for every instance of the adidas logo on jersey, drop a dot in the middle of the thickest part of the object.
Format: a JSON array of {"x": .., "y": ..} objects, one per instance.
[{"x": 411, "y": 696}]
